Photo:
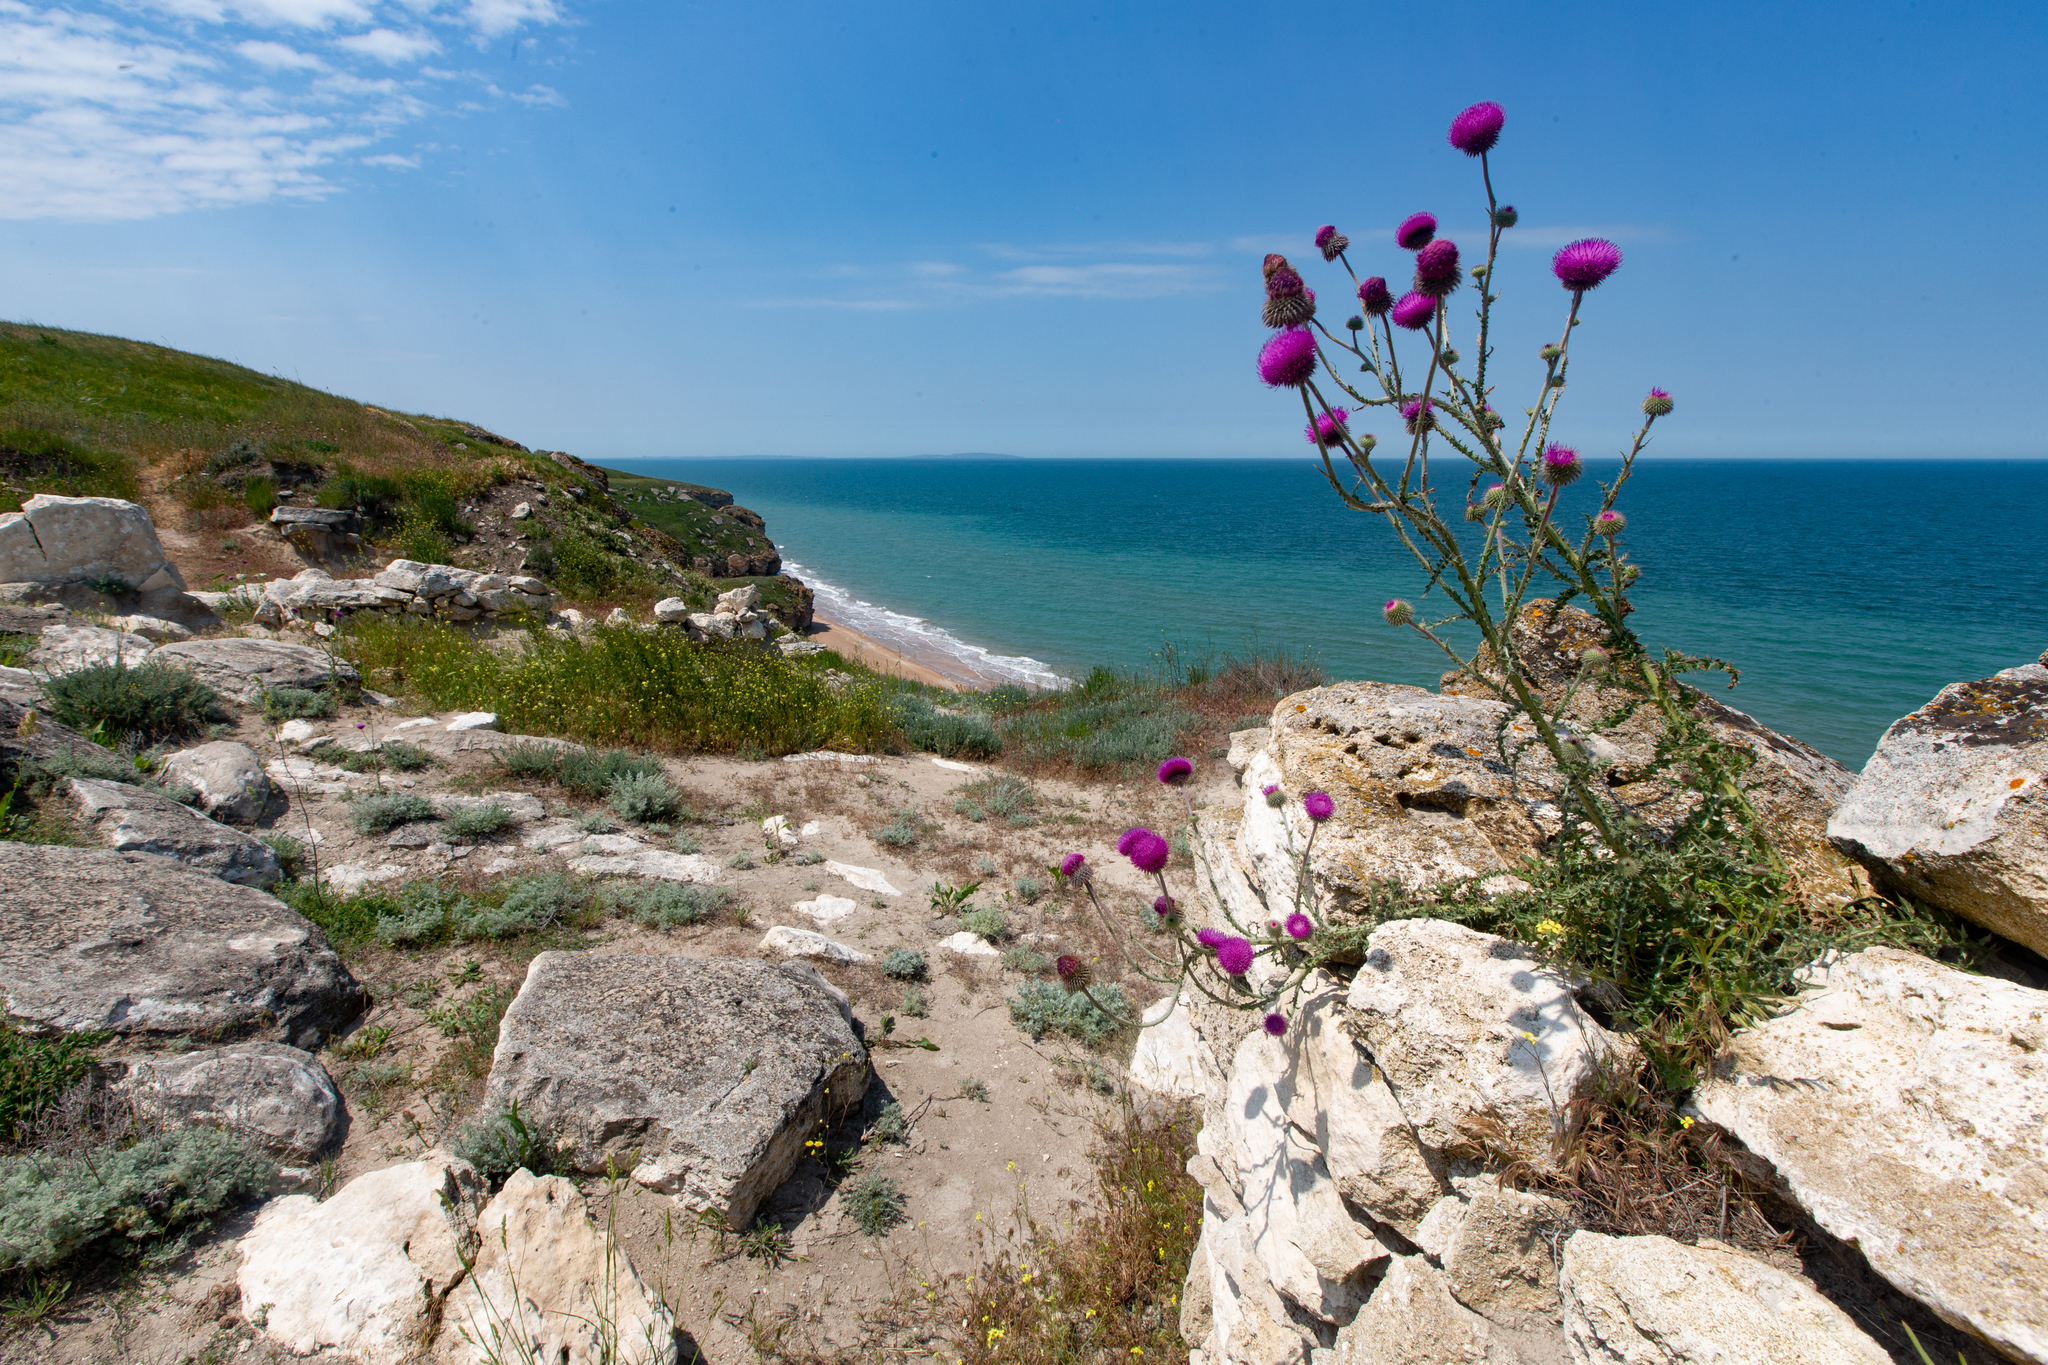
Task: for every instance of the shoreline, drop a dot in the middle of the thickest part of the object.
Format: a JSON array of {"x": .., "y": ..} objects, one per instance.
[{"x": 850, "y": 644}]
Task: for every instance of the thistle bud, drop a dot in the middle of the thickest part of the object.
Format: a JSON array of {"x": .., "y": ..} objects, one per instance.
[
  {"x": 1505, "y": 216},
  {"x": 1072, "y": 972},
  {"x": 1496, "y": 498},
  {"x": 1355, "y": 323},
  {"x": 1610, "y": 523},
  {"x": 1551, "y": 351},
  {"x": 1593, "y": 661},
  {"x": 1658, "y": 404},
  {"x": 1629, "y": 574},
  {"x": 1475, "y": 511},
  {"x": 1398, "y": 612},
  {"x": 1450, "y": 357},
  {"x": 1365, "y": 443}
]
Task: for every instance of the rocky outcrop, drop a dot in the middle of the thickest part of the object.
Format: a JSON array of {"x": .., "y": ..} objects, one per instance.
[
  {"x": 1951, "y": 810},
  {"x": 712, "y": 1071},
  {"x": 1653, "y": 1301},
  {"x": 1498, "y": 1248},
  {"x": 151, "y": 951},
  {"x": 246, "y": 669},
  {"x": 1793, "y": 786},
  {"x": 402, "y": 587},
  {"x": 228, "y": 776},
  {"x": 132, "y": 819},
  {"x": 279, "y": 1098},
  {"x": 733, "y": 617},
  {"x": 1414, "y": 1320},
  {"x": 67, "y": 648},
  {"x": 57, "y": 540},
  {"x": 1902, "y": 1103},
  {"x": 369, "y": 1271},
  {"x": 545, "y": 1287}
]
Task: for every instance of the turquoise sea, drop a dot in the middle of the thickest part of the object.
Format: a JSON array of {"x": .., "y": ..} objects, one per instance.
[{"x": 1847, "y": 592}]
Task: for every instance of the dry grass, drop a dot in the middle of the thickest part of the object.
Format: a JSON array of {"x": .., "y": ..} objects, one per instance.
[{"x": 1108, "y": 1287}]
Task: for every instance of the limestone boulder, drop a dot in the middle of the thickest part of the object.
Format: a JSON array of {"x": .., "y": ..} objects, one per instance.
[
  {"x": 151, "y": 951},
  {"x": 784, "y": 941},
  {"x": 369, "y": 1271},
  {"x": 1793, "y": 786},
  {"x": 1414, "y": 1320},
  {"x": 671, "y": 611},
  {"x": 67, "y": 648},
  {"x": 56, "y": 539},
  {"x": 1905, "y": 1106},
  {"x": 246, "y": 669},
  {"x": 277, "y": 1097},
  {"x": 1498, "y": 1248},
  {"x": 1465, "y": 1025},
  {"x": 739, "y": 601},
  {"x": 228, "y": 776},
  {"x": 1653, "y": 1301},
  {"x": 132, "y": 819},
  {"x": 1951, "y": 809},
  {"x": 543, "y": 1287},
  {"x": 1171, "y": 1057},
  {"x": 712, "y": 1072},
  {"x": 659, "y": 863}
]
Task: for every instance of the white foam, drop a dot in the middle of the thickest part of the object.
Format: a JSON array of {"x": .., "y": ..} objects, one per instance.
[{"x": 914, "y": 636}]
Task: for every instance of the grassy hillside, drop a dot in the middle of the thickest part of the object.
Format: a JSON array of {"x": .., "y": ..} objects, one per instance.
[{"x": 212, "y": 447}]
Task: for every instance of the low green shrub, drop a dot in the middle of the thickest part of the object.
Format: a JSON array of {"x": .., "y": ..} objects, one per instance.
[
  {"x": 873, "y": 1202},
  {"x": 591, "y": 773},
  {"x": 291, "y": 854},
  {"x": 383, "y": 813},
  {"x": 34, "y": 1072},
  {"x": 890, "y": 1125},
  {"x": 477, "y": 822},
  {"x": 1141, "y": 727},
  {"x": 403, "y": 757},
  {"x": 1040, "y": 1007},
  {"x": 347, "y": 920},
  {"x": 501, "y": 1142},
  {"x": 422, "y": 912},
  {"x": 900, "y": 832},
  {"x": 915, "y": 1002},
  {"x": 905, "y": 964},
  {"x": 929, "y": 730},
  {"x": 987, "y": 921},
  {"x": 741, "y": 861},
  {"x": 665, "y": 905},
  {"x": 57, "y": 1210},
  {"x": 297, "y": 703},
  {"x": 530, "y": 904},
  {"x": 154, "y": 701},
  {"x": 1028, "y": 961},
  {"x": 643, "y": 798},
  {"x": 1029, "y": 889},
  {"x": 1000, "y": 794},
  {"x": 473, "y": 1024},
  {"x": 530, "y": 759}
]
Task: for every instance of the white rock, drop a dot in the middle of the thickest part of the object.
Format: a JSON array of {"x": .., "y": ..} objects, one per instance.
[
  {"x": 827, "y": 756},
  {"x": 738, "y": 600},
  {"x": 418, "y": 723},
  {"x": 521, "y": 511},
  {"x": 810, "y": 829},
  {"x": 66, "y": 649},
  {"x": 1413, "y": 1320},
  {"x": 619, "y": 617},
  {"x": 228, "y": 776},
  {"x": 653, "y": 862},
  {"x": 671, "y": 610},
  {"x": 826, "y": 909},
  {"x": 1249, "y": 1324},
  {"x": 473, "y": 720},
  {"x": 1952, "y": 809},
  {"x": 1498, "y": 1247},
  {"x": 523, "y": 807},
  {"x": 612, "y": 843},
  {"x": 367, "y": 1271},
  {"x": 545, "y": 1283},
  {"x": 1171, "y": 1058},
  {"x": 1465, "y": 1023},
  {"x": 778, "y": 827},
  {"x": 968, "y": 945},
  {"x": 355, "y": 876},
  {"x": 151, "y": 628},
  {"x": 866, "y": 878},
  {"x": 1905, "y": 1104},
  {"x": 1653, "y": 1301},
  {"x": 553, "y": 834},
  {"x": 803, "y": 943},
  {"x": 298, "y": 732},
  {"x": 950, "y": 766},
  {"x": 56, "y": 539}
]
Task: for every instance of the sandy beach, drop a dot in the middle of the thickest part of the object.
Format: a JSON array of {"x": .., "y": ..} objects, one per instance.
[{"x": 851, "y": 644}]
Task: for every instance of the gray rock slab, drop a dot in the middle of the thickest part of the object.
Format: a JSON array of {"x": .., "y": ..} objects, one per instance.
[
  {"x": 55, "y": 539},
  {"x": 147, "y": 949},
  {"x": 228, "y": 776},
  {"x": 131, "y": 819},
  {"x": 66, "y": 649},
  {"x": 278, "y": 1097},
  {"x": 712, "y": 1071},
  {"x": 246, "y": 669}
]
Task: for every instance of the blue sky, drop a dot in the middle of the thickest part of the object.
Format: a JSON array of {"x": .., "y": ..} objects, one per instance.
[{"x": 635, "y": 229}]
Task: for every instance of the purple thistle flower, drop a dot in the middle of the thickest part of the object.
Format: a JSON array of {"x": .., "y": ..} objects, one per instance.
[
  {"x": 1234, "y": 956},
  {"x": 1398, "y": 612},
  {"x": 1374, "y": 296},
  {"x": 1476, "y": 130},
  {"x": 1417, "y": 416},
  {"x": 1415, "y": 231},
  {"x": 1289, "y": 302},
  {"x": 1166, "y": 907},
  {"x": 1287, "y": 361},
  {"x": 1319, "y": 806},
  {"x": 1328, "y": 428},
  {"x": 1583, "y": 264},
  {"x": 1274, "y": 260},
  {"x": 1175, "y": 771},
  {"x": 1331, "y": 242},
  {"x": 1299, "y": 925},
  {"x": 1561, "y": 465},
  {"x": 1610, "y": 523},
  {"x": 1414, "y": 311},
  {"x": 1147, "y": 852},
  {"x": 1210, "y": 938},
  {"x": 1124, "y": 841},
  {"x": 1282, "y": 281},
  {"x": 1436, "y": 268},
  {"x": 1658, "y": 404},
  {"x": 1269, "y": 789},
  {"x": 1072, "y": 972},
  {"x": 1275, "y": 1023},
  {"x": 1072, "y": 863}
]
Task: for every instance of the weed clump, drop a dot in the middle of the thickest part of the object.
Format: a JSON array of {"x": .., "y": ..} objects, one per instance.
[
  {"x": 665, "y": 905},
  {"x": 152, "y": 701},
  {"x": 297, "y": 703},
  {"x": 35, "y": 1072},
  {"x": 890, "y": 1124},
  {"x": 900, "y": 832},
  {"x": 873, "y": 1202},
  {"x": 501, "y": 1142},
  {"x": 929, "y": 730},
  {"x": 381, "y": 814},
  {"x": 477, "y": 822},
  {"x": 644, "y": 798},
  {"x": 987, "y": 921},
  {"x": 914, "y": 1003},
  {"x": 1040, "y": 1007},
  {"x": 905, "y": 964},
  {"x": 1027, "y": 961}
]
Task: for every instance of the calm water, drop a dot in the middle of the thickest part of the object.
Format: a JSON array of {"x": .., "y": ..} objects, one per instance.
[{"x": 1847, "y": 592}]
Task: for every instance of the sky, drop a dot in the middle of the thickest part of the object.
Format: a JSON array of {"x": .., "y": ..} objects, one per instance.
[{"x": 633, "y": 229}]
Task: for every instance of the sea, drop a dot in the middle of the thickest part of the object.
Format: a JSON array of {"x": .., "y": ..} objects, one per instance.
[{"x": 1845, "y": 592}]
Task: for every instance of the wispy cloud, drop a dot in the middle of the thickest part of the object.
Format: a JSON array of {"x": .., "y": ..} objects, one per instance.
[
  {"x": 115, "y": 110},
  {"x": 1075, "y": 271}
]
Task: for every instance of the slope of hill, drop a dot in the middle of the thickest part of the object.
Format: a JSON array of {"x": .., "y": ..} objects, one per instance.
[{"x": 211, "y": 448}]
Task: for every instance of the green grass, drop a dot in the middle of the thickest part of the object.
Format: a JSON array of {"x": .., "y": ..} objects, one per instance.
[
  {"x": 152, "y": 701},
  {"x": 651, "y": 689},
  {"x": 35, "y": 1071}
]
